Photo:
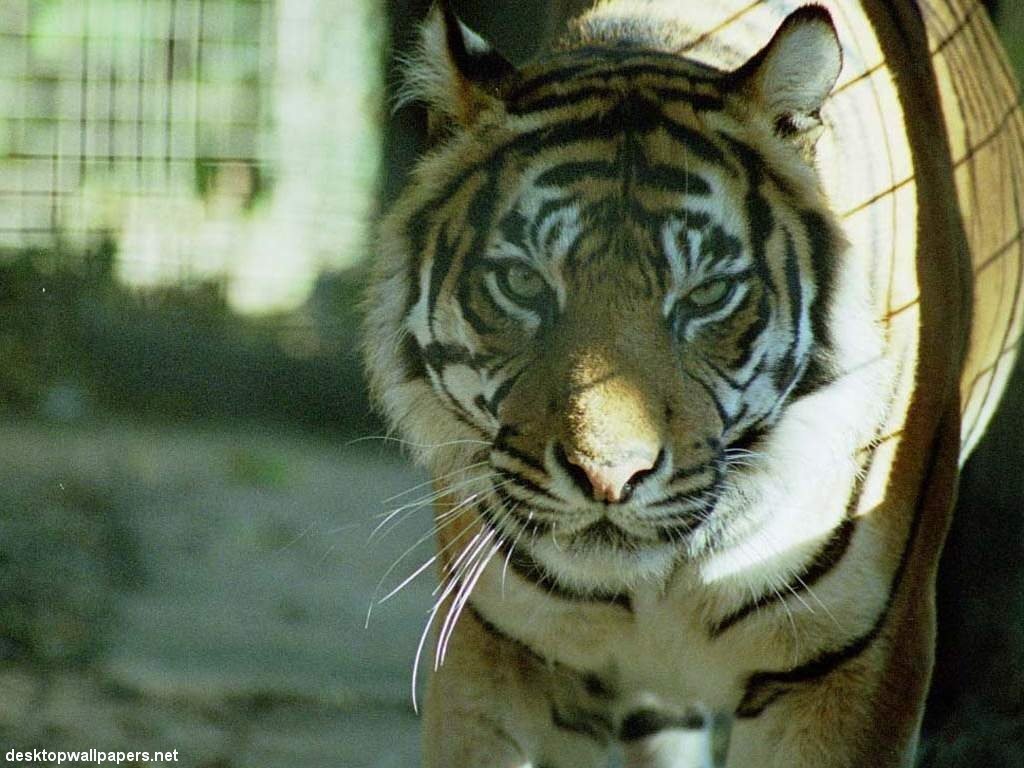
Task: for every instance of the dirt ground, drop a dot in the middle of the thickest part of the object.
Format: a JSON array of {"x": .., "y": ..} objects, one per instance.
[{"x": 205, "y": 591}]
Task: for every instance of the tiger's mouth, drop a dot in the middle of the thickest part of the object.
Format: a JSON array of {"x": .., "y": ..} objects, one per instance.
[
  {"x": 599, "y": 549},
  {"x": 627, "y": 528},
  {"x": 604, "y": 533}
]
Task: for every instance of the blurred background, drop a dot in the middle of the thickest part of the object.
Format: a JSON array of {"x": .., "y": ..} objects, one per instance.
[{"x": 189, "y": 467}]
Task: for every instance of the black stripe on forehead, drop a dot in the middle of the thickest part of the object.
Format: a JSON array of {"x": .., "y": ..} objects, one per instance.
[
  {"x": 697, "y": 143},
  {"x": 716, "y": 244},
  {"x": 622, "y": 223},
  {"x": 700, "y": 102},
  {"x": 755, "y": 164},
  {"x": 573, "y": 171},
  {"x": 586, "y": 63},
  {"x": 674, "y": 178},
  {"x": 517, "y": 229},
  {"x": 606, "y": 124},
  {"x": 636, "y": 113},
  {"x": 635, "y": 167},
  {"x": 630, "y": 113},
  {"x": 613, "y": 227}
]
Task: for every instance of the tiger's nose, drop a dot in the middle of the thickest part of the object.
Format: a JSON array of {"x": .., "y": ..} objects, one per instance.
[{"x": 612, "y": 482}]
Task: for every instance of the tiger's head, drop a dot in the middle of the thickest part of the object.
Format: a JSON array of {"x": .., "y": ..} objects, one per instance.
[{"x": 605, "y": 285}]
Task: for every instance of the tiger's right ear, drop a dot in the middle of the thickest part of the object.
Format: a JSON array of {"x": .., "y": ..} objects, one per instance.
[{"x": 454, "y": 71}]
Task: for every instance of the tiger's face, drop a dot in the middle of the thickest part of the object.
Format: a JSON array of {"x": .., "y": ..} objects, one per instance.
[{"x": 607, "y": 284}]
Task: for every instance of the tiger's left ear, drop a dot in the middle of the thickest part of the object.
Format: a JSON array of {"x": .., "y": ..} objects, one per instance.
[
  {"x": 454, "y": 71},
  {"x": 791, "y": 77}
]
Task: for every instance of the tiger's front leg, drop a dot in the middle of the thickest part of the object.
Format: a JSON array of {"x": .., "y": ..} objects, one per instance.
[{"x": 492, "y": 704}]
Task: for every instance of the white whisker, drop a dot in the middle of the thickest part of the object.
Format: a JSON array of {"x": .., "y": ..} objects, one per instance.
[
  {"x": 430, "y": 621},
  {"x": 402, "y": 584},
  {"x": 445, "y": 519},
  {"x": 469, "y": 583},
  {"x": 508, "y": 557},
  {"x": 457, "y": 582},
  {"x": 414, "y": 506},
  {"x": 434, "y": 480}
]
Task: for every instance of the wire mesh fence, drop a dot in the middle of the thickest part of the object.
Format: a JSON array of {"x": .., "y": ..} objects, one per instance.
[{"x": 226, "y": 140}]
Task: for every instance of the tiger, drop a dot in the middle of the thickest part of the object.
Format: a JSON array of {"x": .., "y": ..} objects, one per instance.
[{"x": 693, "y": 319}]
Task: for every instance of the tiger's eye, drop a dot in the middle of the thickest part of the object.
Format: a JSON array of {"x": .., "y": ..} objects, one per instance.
[
  {"x": 524, "y": 283},
  {"x": 709, "y": 294}
]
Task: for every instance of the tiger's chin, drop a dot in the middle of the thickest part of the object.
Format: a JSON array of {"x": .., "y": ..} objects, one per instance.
[{"x": 604, "y": 557}]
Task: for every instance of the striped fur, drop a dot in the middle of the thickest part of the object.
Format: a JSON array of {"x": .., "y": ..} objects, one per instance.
[{"x": 614, "y": 252}]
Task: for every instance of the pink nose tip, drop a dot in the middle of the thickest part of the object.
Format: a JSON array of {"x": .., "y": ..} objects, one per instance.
[{"x": 610, "y": 481}]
